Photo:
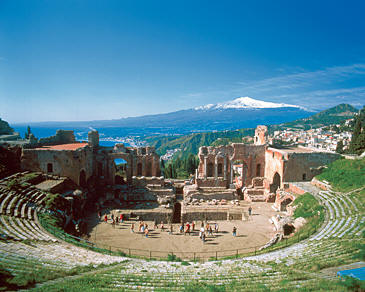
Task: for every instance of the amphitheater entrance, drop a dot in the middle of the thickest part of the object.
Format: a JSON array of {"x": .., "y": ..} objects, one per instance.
[
  {"x": 82, "y": 179},
  {"x": 285, "y": 203},
  {"x": 176, "y": 217},
  {"x": 276, "y": 182},
  {"x": 120, "y": 177}
]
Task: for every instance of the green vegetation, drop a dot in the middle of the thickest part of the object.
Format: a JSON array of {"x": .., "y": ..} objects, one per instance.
[
  {"x": 5, "y": 129},
  {"x": 334, "y": 115},
  {"x": 181, "y": 167},
  {"x": 308, "y": 207},
  {"x": 345, "y": 174},
  {"x": 357, "y": 144},
  {"x": 191, "y": 143}
]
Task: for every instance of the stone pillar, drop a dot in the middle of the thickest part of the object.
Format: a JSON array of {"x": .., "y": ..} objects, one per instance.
[
  {"x": 205, "y": 167},
  {"x": 225, "y": 168},
  {"x": 231, "y": 168},
  {"x": 143, "y": 166},
  {"x": 216, "y": 168},
  {"x": 196, "y": 174}
]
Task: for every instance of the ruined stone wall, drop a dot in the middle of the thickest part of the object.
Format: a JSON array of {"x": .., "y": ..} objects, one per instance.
[
  {"x": 274, "y": 163},
  {"x": 304, "y": 166},
  {"x": 260, "y": 135},
  {"x": 216, "y": 164},
  {"x": 66, "y": 163},
  {"x": 61, "y": 137}
]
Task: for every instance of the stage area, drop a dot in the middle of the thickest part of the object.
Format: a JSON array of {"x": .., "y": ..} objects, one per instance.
[{"x": 256, "y": 231}]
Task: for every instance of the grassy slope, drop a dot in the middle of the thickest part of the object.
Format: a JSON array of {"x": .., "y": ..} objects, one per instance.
[{"x": 345, "y": 175}]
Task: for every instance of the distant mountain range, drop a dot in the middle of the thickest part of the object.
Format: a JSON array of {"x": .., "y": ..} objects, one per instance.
[{"x": 242, "y": 112}]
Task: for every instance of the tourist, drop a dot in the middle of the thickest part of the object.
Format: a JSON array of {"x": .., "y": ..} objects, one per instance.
[
  {"x": 210, "y": 231},
  {"x": 132, "y": 228},
  {"x": 121, "y": 218},
  {"x": 146, "y": 231},
  {"x": 162, "y": 227},
  {"x": 216, "y": 227},
  {"x": 249, "y": 211},
  {"x": 113, "y": 223},
  {"x": 234, "y": 232},
  {"x": 182, "y": 228},
  {"x": 187, "y": 228},
  {"x": 142, "y": 227},
  {"x": 112, "y": 216},
  {"x": 203, "y": 237},
  {"x": 155, "y": 224},
  {"x": 193, "y": 226},
  {"x": 99, "y": 215},
  {"x": 105, "y": 218},
  {"x": 171, "y": 229},
  {"x": 202, "y": 231},
  {"x": 207, "y": 227}
]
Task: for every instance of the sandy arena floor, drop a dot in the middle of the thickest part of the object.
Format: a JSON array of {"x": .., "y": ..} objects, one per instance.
[{"x": 254, "y": 232}]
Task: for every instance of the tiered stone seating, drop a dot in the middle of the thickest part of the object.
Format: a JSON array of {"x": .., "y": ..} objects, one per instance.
[{"x": 329, "y": 245}]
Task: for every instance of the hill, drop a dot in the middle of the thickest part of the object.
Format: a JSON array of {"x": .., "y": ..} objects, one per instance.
[
  {"x": 191, "y": 143},
  {"x": 331, "y": 116},
  {"x": 5, "y": 129}
]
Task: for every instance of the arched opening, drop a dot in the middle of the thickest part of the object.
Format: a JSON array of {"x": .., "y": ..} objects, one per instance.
[
  {"x": 258, "y": 169},
  {"x": 176, "y": 218},
  {"x": 275, "y": 183},
  {"x": 220, "y": 169},
  {"x": 285, "y": 203},
  {"x": 210, "y": 170},
  {"x": 120, "y": 171},
  {"x": 82, "y": 179},
  {"x": 149, "y": 169},
  {"x": 49, "y": 167},
  {"x": 304, "y": 176},
  {"x": 139, "y": 169}
]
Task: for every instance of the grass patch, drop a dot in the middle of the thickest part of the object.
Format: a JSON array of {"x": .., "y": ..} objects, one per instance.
[{"x": 345, "y": 174}]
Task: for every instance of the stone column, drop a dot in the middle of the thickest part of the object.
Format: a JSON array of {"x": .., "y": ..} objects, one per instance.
[
  {"x": 216, "y": 168},
  {"x": 143, "y": 166},
  {"x": 205, "y": 167},
  {"x": 231, "y": 167},
  {"x": 225, "y": 168}
]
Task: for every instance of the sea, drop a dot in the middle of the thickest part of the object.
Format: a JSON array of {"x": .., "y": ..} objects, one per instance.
[{"x": 108, "y": 136}]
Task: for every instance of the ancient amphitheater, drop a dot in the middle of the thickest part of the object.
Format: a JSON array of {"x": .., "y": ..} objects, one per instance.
[{"x": 27, "y": 249}]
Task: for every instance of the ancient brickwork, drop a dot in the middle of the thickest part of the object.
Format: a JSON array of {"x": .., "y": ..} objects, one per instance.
[
  {"x": 216, "y": 164},
  {"x": 61, "y": 137},
  {"x": 260, "y": 135},
  {"x": 74, "y": 164}
]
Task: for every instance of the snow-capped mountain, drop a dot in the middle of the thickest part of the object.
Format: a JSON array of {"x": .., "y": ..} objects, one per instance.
[
  {"x": 244, "y": 103},
  {"x": 242, "y": 112}
]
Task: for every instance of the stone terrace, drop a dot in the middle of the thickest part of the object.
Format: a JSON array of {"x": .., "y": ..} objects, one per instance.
[{"x": 330, "y": 246}]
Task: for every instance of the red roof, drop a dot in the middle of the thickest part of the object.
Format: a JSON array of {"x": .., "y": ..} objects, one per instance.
[{"x": 71, "y": 146}]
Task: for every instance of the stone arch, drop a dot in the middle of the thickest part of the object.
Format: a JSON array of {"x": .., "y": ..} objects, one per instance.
[
  {"x": 139, "y": 169},
  {"x": 258, "y": 169},
  {"x": 210, "y": 169},
  {"x": 276, "y": 183},
  {"x": 176, "y": 218},
  {"x": 148, "y": 168},
  {"x": 220, "y": 169},
  {"x": 49, "y": 167},
  {"x": 82, "y": 178}
]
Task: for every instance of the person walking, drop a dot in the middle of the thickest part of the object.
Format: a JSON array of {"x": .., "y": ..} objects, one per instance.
[
  {"x": 132, "y": 228},
  {"x": 171, "y": 229},
  {"x": 193, "y": 226},
  {"x": 155, "y": 224},
  {"x": 99, "y": 215},
  {"x": 106, "y": 219},
  {"x": 249, "y": 211},
  {"x": 234, "y": 232},
  {"x": 216, "y": 227},
  {"x": 146, "y": 231},
  {"x": 121, "y": 218},
  {"x": 210, "y": 231}
]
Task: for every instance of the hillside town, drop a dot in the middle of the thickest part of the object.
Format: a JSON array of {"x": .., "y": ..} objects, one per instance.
[{"x": 323, "y": 138}]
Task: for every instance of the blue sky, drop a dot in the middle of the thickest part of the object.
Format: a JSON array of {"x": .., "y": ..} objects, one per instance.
[{"x": 87, "y": 60}]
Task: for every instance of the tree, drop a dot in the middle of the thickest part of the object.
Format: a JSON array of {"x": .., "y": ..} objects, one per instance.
[
  {"x": 339, "y": 147},
  {"x": 28, "y": 132}
]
